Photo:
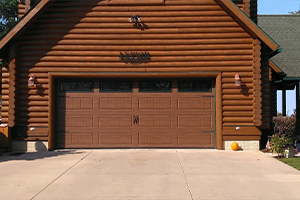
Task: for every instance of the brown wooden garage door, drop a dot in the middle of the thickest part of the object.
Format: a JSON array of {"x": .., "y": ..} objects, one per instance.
[{"x": 135, "y": 113}]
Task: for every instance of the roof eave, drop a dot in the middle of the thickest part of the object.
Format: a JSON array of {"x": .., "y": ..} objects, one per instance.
[
  {"x": 247, "y": 23},
  {"x": 24, "y": 22},
  {"x": 275, "y": 67}
]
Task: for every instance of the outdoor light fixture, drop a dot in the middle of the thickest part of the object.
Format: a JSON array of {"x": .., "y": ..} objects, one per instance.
[
  {"x": 31, "y": 80},
  {"x": 135, "y": 19},
  {"x": 238, "y": 80}
]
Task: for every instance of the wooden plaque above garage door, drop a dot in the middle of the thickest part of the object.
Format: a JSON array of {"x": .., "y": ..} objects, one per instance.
[{"x": 135, "y": 113}]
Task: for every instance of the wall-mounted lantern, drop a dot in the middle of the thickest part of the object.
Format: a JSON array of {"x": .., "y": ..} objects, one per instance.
[
  {"x": 238, "y": 80},
  {"x": 135, "y": 19},
  {"x": 31, "y": 80}
]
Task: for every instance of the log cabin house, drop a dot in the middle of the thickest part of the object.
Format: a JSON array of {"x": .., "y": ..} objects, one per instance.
[{"x": 137, "y": 73}]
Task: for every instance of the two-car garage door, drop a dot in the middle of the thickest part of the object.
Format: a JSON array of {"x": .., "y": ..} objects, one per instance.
[{"x": 135, "y": 113}]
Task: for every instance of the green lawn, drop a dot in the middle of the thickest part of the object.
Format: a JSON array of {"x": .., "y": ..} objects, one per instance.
[{"x": 294, "y": 162}]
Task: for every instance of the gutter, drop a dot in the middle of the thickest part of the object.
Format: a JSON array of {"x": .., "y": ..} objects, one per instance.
[
  {"x": 291, "y": 79},
  {"x": 274, "y": 53}
]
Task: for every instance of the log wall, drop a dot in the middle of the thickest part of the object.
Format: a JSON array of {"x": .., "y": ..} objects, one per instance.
[
  {"x": 257, "y": 89},
  {"x": 21, "y": 9},
  {"x": 273, "y": 95},
  {"x": 180, "y": 35},
  {"x": 24, "y": 6},
  {"x": 248, "y": 6},
  {"x": 4, "y": 95},
  {"x": 266, "y": 88}
]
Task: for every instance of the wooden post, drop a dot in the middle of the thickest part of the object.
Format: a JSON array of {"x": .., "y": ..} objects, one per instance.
[
  {"x": 5, "y": 137},
  {"x": 283, "y": 101},
  {"x": 12, "y": 84},
  {"x": 297, "y": 109},
  {"x": 297, "y": 97},
  {"x": 51, "y": 117},
  {"x": 219, "y": 112}
]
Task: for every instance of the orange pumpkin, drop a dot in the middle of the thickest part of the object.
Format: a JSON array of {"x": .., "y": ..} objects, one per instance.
[{"x": 235, "y": 146}]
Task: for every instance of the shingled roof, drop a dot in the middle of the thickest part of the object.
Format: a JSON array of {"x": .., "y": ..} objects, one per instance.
[{"x": 285, "y": 30}]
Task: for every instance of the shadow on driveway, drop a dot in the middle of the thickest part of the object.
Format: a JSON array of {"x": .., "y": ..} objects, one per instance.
[{"x": 36, "y": 155}]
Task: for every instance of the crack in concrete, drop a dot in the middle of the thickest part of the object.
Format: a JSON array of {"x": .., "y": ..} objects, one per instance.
[
  {"x": 61, "y": 175},
  {"x": 190, "y": 191}
]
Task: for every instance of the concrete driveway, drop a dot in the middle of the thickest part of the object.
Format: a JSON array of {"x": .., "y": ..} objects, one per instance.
[{"x": 147, "y": 174}]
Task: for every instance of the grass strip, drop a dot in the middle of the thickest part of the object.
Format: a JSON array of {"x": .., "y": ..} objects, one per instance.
[{"x": 294, "y": 162}]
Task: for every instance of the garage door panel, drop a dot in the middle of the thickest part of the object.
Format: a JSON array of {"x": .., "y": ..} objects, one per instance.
[
  {"x": 196, "y": 139},
  {"x": 74, "y": 121},
  {"x": 155, "y": 121},
  {"x": 75, "y": 103},
  {"x": 80, "y": 138},
  {"x": 115, "y": 103},
  {"x": 115, "y": 138},
  {"x": 66, "y": 139},
  {"x": 155, "y": 138},
  {"x": 79, "y": 121},
  {"x": 192, "y": 103},
  {"x": 115, "y": 121},
  {"x": 150, "y": 103},
  {"x": 200, "y": 121}
]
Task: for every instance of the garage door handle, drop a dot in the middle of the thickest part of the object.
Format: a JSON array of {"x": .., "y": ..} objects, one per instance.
[{"x": 135, "y": 119}]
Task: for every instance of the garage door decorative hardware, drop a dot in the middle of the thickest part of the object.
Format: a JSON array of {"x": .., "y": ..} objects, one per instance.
[
  {"x": 135, "y": 119},
  {"x": 135, "y": 57}
]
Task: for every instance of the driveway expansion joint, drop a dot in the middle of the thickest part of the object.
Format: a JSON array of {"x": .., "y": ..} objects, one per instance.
[
  {"x": 188, "y": 186},
  {"x": 61, "y": 175}
]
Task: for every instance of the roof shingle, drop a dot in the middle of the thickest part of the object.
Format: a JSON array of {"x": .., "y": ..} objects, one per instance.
[{"x": 285, "y": 30}]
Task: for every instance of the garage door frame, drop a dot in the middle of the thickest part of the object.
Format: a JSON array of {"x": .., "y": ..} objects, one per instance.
[{"x": 218, "y": 94}]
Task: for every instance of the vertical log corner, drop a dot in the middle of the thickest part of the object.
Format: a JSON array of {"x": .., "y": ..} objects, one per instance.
[
  {"x": 11, "y": 85},
  {"x": 247, "y": 7},
  {"x": 257, "y": 94}
]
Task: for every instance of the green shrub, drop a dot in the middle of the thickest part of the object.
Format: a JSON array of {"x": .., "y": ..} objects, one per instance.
[
  {"x": 279, "y": 143},
  {"x": 285, "y": 126}
]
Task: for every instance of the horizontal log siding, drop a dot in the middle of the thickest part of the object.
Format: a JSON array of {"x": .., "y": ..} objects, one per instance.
[
  {"x": 266, "y": 87},
  {"x": 246, "y": 4},
  {"x": 87, "y": 36},
  {"x": 240, "y": 4},
  {"x": 249, "y": 7},
  {"x": 273, "y": 95},
  {"x": 21, "y": 9},
  {"x": 4, "y": 105},
  {"x": 257, "y": 83}
]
